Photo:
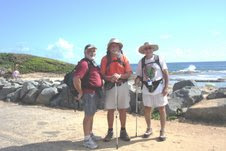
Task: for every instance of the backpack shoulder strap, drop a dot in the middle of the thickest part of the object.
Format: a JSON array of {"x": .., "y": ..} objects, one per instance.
[
  {"x": 142, "y": 70},
  {"x": 143, "y": 62},
  {"x": 120, "y": 60},
  {"x": 156, "y": 57}
]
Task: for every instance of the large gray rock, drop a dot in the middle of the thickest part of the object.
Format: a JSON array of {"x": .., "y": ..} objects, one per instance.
[
  {"x": 208, "y": 110},
  {"x": 220, "y": 93},
  {"x": 44, "y": 84},
  {"x": 64, "y": 98},
  {"x": 3, "y": 82},
  {"x": 26, "y": 87},
  {"x": 31, "y": 96},
  {"x": 140, "y": 106},
  {"x": 14, "y": 96},
  {"x": 46, "y": 95},
  {"x": 183, "y": 98},
  {"x": 182, "y": 84},
  {"x": 7, "y": 90}
]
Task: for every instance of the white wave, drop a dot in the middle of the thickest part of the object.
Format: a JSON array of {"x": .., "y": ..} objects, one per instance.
[
  {"x": 217, "y": 71},
  {"x": 198, "y": 77},
  {"x": 190, "y": 68}
]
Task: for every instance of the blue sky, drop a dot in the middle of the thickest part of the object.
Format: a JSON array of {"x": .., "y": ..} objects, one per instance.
[{"x": 185, "y": 31}]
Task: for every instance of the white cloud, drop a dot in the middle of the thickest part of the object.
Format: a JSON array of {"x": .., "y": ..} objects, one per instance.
[
  {"x": 62, "y": 49},
  {"x": 165, "y": 36}
]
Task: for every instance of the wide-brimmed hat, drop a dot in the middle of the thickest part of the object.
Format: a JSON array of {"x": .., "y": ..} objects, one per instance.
[
  {"x": 116, "y": 41},
  {"x": 89, "y": 46},
  {"x": 148, "y": 44}
]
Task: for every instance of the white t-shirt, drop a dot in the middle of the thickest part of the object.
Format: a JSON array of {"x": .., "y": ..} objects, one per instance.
[{"x": 155, "y": 73}]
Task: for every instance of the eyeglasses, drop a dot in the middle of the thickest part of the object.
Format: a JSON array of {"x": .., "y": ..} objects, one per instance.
[{"x": 148, "y": 48}]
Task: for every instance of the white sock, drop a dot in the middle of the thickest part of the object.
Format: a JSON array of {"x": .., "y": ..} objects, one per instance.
[{"x": 87, "y": 137}]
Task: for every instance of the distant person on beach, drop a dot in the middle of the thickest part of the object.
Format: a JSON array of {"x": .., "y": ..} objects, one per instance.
[
  {"x": 152, "y": 72},
  {"x": 116, "y": 70},
  {"x": 15, "y": 74},
  {"x": 87, "y": 80}
]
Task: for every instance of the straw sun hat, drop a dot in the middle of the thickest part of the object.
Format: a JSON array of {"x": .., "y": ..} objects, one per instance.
[{"x": 148, "y": 44}]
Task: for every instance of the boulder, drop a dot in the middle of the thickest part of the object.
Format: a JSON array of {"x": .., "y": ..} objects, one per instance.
[
  {"x": 140, "y": 106},
  {"x": 183, "y": 98},
  {"x": 26, "y": 87},
  {"x": 31, "y": 96},
  {"x": 182, "y": 84},
  {"x": 14, "y": 96},
  {"x": 46, "y": 95},
  {"x": 208, "y": 110},
  {"x": 64, "y": 98},
  {"x": 3, "y": 82},
  {"x": 44, "y": 84},
  {"x": 7, "y": 90},
  {"x": 219, "y": 93}
]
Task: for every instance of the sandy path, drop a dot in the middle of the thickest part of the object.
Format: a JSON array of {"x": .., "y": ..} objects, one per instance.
[
  {"x": 36, "y": 128},
  {"x": 41, "y": 75}
]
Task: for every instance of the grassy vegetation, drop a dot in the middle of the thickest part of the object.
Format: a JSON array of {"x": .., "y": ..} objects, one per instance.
[
  {"x": 156, "y": 116},
  {"x": 28, "y": 64}
]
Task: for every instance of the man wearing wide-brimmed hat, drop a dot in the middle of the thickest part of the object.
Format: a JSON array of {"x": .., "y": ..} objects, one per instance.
[
  {"x": 116, "y": 70},
  {"x": 152, "y": 71},
  {"x": 87, "y": 80}
]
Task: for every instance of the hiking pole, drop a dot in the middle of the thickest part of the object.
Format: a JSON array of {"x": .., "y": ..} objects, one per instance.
[
  {"x": 116, "y": 114},
  {"x": 136, "y": 107}
]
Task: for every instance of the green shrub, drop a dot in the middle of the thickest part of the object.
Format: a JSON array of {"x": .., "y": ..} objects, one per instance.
[{"x": 29, "y": 64}]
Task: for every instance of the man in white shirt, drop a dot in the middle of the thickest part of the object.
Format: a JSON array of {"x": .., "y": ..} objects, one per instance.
[{"x": 152, "y": 71}]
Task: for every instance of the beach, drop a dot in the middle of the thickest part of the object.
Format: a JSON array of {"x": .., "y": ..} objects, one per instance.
[
  {"x": 37, "y": 128},
  {"x": 40, "y": 128}
]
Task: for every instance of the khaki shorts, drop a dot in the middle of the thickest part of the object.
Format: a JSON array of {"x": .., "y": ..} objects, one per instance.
[{"x": 122, "y": 96}]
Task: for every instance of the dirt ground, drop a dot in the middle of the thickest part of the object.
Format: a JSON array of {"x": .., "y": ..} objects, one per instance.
[{"x": 37, "y": 128}]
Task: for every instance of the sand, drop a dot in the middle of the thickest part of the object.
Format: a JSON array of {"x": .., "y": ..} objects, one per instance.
[
  {"x": 32, "y": 128},
  {"x": 40, "y": 75}
]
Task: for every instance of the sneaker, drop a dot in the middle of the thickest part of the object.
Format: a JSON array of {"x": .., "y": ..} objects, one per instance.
[
  {"x": 124, "y": 136},
  {"x": 147, "y": 133},
  {"x": 109, "y": 136},
  {"x": 162, "y": 136},
  {"x": 95, "y": 138},
  {"x": 90, "y": 144}
]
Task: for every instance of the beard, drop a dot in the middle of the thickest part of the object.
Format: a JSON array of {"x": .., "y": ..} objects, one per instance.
[
  {"x": 117, "y": 53},
  {"x": 90, "y": 57}
]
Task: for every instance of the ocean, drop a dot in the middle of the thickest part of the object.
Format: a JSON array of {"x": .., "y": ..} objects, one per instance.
[{"x": 204, "y": 73}]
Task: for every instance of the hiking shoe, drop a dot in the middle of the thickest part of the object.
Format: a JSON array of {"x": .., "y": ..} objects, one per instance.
[
  {"x": 109, "y": 136},
  {"x": 95, "y": 138},
  {"x": 162, "y": 136},
  {"x": 147, "y": 133},
  {"x": 90, "y": 144},
  {"x": 124, "y": 136}
]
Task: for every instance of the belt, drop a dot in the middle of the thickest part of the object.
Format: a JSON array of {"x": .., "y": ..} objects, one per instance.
[{"x": 121, "y": 82}]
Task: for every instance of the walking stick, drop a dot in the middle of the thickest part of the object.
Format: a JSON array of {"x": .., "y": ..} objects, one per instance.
[
  {"x": 116, "y": 114},
  {"x": 136, "y": 107}
]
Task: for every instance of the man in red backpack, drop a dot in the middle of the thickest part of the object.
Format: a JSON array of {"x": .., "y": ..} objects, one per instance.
[{"x": 87, "y": 80}]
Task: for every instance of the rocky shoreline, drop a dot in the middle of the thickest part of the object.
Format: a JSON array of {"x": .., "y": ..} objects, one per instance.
[{"x": 184, "y": 98}]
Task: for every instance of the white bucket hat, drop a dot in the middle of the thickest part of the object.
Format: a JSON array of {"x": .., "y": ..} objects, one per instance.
[
  {"x": 148, "y": 44},
  {"x": 116, "y": 41}
]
